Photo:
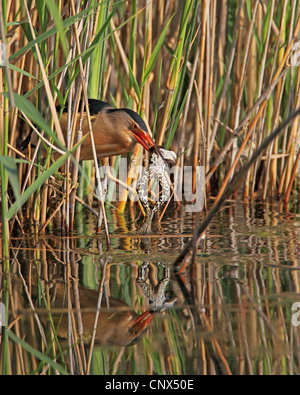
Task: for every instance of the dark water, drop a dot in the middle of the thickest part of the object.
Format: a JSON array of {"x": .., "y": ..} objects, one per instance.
[{"x": 228, "y": 312}]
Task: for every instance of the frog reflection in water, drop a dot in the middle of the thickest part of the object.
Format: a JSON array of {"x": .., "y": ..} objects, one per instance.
[
  {"x": 159, "y": 164},
  {"x": 118, "y": 324},
  {"x": 159, "y": 300}
]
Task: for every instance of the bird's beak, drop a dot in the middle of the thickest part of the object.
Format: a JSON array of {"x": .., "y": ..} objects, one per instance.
[
  {"x": 142, "y": 322},
  {"x": 143, "y": 138}
]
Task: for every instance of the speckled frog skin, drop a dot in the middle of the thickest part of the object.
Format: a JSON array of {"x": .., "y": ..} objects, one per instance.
[
  {"x": 159, "y": 300},
  {"x": 156, "y": 170}
]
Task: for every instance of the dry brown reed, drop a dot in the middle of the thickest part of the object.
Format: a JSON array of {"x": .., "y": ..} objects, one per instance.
[{"x": 212, "y": 92}]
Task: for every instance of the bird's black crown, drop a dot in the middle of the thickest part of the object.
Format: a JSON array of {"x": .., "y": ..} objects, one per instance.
[{"x": 136, "y": 118}]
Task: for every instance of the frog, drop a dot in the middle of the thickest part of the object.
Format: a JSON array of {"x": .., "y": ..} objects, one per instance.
[{"x": 160, "y": 161}]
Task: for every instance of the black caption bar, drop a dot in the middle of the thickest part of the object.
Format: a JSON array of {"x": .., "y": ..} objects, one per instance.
[{"x": 145, "y": 383}]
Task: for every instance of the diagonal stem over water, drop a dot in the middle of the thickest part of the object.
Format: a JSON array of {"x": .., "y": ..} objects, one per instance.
[{"x": 186, "y": 255}]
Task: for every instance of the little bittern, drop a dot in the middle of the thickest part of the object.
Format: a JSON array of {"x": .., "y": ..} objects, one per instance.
[
  {"x": 117, "y": 325},
  {"x": 115, "y": 131}
]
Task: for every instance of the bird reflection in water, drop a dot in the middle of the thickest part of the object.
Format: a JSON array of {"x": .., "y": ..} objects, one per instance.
[{"x": 118, "y": 324}]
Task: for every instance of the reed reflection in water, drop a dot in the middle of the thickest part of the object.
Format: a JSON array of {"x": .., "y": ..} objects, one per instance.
[{"x": 230, "y": 312}]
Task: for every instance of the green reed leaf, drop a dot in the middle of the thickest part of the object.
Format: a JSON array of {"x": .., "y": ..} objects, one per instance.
[
  {"x": 44, "y": 358},
  {"x": 35, "y": 116},
  {"x": 36, "y": 184},
  {"x": 9, "y": 163},
  {"x": 155, "y": 52}
]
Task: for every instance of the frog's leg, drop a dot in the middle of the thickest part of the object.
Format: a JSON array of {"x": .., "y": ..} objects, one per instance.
[{"x": 142, "y": 189}]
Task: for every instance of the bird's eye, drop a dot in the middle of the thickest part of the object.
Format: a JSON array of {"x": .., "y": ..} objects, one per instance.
[{"x": 134, "y": 126}]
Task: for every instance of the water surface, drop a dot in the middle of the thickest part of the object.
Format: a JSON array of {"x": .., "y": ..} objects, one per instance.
[{"x": 230, "y": 312}]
